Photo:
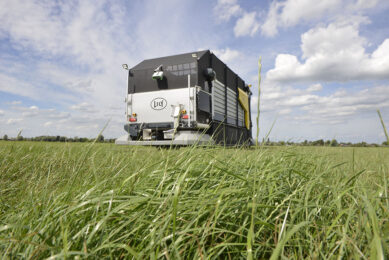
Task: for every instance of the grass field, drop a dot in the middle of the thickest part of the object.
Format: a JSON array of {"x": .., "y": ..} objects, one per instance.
[{"x": 104, "y": 201}]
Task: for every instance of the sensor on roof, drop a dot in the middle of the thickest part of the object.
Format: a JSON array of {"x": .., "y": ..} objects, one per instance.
[{"x": 158, "y": 73}]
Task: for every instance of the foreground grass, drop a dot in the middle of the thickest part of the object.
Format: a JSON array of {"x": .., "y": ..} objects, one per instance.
[{"x": 66, "y": 200}]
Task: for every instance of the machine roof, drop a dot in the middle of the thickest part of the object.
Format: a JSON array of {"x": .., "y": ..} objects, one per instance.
[{"x": 169, "y": 60}]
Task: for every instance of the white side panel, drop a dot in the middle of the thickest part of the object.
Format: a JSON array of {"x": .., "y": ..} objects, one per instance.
[{"x": 156, "y": 106}]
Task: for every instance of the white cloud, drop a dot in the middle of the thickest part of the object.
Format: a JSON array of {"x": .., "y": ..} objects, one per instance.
[
  {"x": 284, "y": 14},
  {"x": 289, "y": 13},
  {"x": 36, "y": 88},
  {"x": 31, "y": 111},
  {"x": 47, "y": 124},
  {"x": 227, "y": 54},
  {"x": 333, "y": 53},
  {"x": 81, "y": 32},
  {"x": 225, "y": 9},
  {"x": 67, "y": 78},
  {"x": 80, "y": 46},
  {"x": 315, "y": 87},
  {"x": 53, "y": 114},
  {"x": 36, "y": 121},
  {"x": 269, "y": 27},
  {"x": 336, "y": 107},
  {"x": 81, "y": 106},
  {"x": 84, "y": 107},
  {"x": 37, "y": 113},
  {"x": 18, "y": 87},
  {"x": 295, "y": 10},
  {"x": 36, "y": 27},
  {"x": 12, "y": 121},
  {"x": 363, "y": 4},
  {"x": 301, "y": 100},
  {"x": 247, "y": 25},
  {"x": 337, "y": 38},
  {"x": 1, "y": 112},
  {"x": 285, "y": 111},
  {"x": 77, "y": 29}
]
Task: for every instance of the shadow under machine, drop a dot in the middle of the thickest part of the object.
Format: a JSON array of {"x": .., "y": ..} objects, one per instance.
[{"x": 185, "y": 99}]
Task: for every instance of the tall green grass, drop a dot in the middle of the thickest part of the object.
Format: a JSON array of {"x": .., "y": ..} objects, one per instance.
[
  {"x": 105, "y": 201},
  {"x": 259, "y": 99},
  {"x": 383, "y": 126}
]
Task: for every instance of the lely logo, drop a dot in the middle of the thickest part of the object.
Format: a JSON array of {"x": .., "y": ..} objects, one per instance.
[{"x": 158, "y": 103}]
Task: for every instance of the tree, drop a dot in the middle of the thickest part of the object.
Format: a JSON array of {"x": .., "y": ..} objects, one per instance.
[
  {"x": 100, "y": 138},
  {"x": 318, "y": 142},
  {"x": 334, "y": 142},
  {"x": 19, "y": 138},
  {"x": 5, "y": 137},
  {"x": 83, "y": 139}
]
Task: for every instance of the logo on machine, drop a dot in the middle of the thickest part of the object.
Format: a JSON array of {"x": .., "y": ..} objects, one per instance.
[{"x": 158, "y": 103}]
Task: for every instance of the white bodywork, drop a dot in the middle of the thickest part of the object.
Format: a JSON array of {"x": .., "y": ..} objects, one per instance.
[
  {"x": 162, "y": 107},
  {"x": 158, "y": 106},
  {"x": 181, "y": 138}
]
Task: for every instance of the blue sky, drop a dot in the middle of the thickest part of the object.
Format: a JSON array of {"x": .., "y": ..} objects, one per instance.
[{"x": 325, "y": 63}]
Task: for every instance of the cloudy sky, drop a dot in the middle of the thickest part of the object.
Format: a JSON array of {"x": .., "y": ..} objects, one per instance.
[{"x": 325, "y": 63}]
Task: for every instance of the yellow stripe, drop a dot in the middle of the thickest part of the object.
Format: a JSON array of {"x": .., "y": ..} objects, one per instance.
[{"x": 244, "y": 101}]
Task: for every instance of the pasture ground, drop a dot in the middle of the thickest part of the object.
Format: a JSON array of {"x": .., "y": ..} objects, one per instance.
[{"x": 82, "y": 200}]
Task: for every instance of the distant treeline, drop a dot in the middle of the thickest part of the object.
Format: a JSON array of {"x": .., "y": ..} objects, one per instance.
[
  {"x": 322, "y": 142},
  {"x": 101, "y": 139},
  {"x": 57, "y": 138}
]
